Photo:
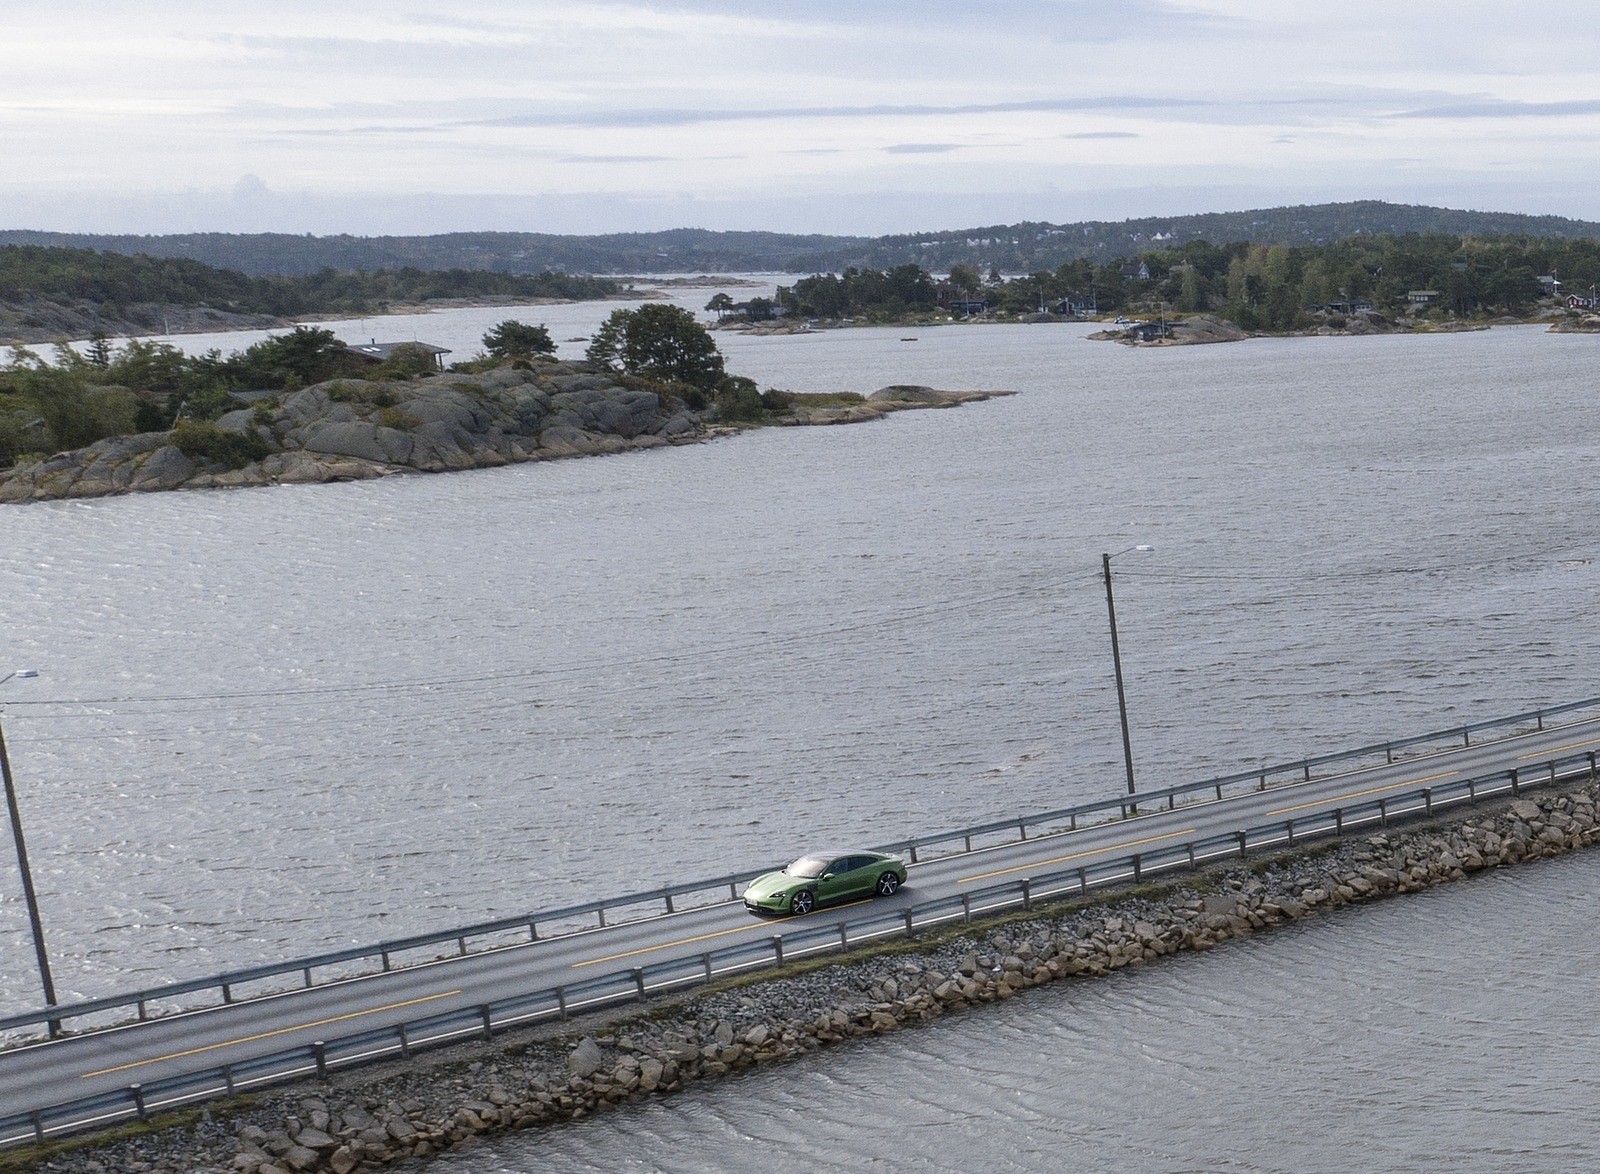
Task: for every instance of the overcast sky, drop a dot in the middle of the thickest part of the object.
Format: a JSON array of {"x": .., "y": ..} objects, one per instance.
[{"x": 866, "y": 116}]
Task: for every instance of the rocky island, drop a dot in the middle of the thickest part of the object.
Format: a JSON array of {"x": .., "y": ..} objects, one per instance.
[
  {"x": 350, "y": 429},
  {"x": 1197, "y": 329}
]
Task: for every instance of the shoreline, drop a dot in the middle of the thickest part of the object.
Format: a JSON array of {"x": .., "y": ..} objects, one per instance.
[
  {"x": 371, "y": 1118},
  {"x": 1166, "y": 330},
  {"x": 75, "y": 320},
  {"x": 184, "y": 320}
]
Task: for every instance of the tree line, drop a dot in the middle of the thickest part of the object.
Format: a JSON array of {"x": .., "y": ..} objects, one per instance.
[
  {"x": 1023, "y": 247},
  {"x": 1261, "y": 287},
  {"x": 115, "y": 279}
]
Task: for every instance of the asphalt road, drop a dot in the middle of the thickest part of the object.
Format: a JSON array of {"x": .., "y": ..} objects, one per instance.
[{"x": 69, "y": 1069}]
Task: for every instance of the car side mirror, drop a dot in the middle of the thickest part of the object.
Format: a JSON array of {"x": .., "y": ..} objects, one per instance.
[{"x": 827, "y": 876}]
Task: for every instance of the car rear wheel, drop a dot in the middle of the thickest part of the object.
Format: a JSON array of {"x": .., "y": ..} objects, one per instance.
[
  {"x": 888, "y": 884},
  {"x": 802, "y": 903}
]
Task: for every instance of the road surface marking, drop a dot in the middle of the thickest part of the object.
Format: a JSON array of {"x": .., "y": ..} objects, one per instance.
[
  {"x": 1074, "y": 856},
  {"x": 1558, "y": 749},
  {"x": 700, "y": 938},
  {"x": 267, "y": 1035},
  {"x": 1360, "y": 794}
]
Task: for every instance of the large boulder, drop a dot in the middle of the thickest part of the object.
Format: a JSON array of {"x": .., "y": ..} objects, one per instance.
[
  {"x": 448, "y": 405},
  {"x": 166, "y": 468},
  {"x": 356, "y": 438},
  {"x": 585, "y": 1059}
]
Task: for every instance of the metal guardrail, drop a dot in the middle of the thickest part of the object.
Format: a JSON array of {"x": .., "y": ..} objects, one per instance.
[
  {"x": 638, "y": 983},
  {"x": 661, "y": 902},
  {"x": 1259, "y": 779}
]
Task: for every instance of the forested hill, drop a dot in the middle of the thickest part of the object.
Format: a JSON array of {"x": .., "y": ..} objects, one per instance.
[
  {"x": 111, "y": 278},
  {"x": 1030, "y": 247},
  {"x": 683, "y": 250},
  {"x": 1014, "y": 248},
  {"x": 48, "y": 293}
]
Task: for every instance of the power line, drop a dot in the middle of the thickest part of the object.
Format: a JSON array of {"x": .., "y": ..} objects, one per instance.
[{"x": 453, "y": 685}]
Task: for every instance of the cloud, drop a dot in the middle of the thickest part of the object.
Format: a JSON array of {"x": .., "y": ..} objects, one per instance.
[
  {"x": 1484, "y": 107},
  {"x": 571, "y": 112},
  {"x": 616, "y": 159},
  {"x": 753, "y": 112}
]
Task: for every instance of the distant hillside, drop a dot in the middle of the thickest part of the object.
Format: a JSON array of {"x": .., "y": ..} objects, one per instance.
[
  {"x": 1013, "y": 248},
  {"x": 682, "y": 250},
  {"x": 1030, "y": 246},
  {"x": 48, "y": 293}
]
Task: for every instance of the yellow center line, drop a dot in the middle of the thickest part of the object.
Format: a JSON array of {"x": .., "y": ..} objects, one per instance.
[
  {"x": 1558, "y": 749},
  {"x": 1073, "y": 856},
  {"x": 1361, "y": 794},
  {"x": 268, "y": 1034},
  {"x": 700, "y": 938}
]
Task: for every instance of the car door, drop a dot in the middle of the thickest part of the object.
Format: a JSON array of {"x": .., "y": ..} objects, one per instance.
[
  {"x": 856, "y": 875},
  {"x": 864, "y": 874},
  {"x": 836, "y": 880}
]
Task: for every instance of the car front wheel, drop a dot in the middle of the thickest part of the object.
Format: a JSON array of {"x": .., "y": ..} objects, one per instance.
[
  {"x": 802, "y": 903},
  {"x": 888, "y": 884}
]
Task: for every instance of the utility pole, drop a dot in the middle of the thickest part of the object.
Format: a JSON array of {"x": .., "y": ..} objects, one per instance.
[
  {"x": 1116, "y": 660},
  {"x": 28, "y": 893}
]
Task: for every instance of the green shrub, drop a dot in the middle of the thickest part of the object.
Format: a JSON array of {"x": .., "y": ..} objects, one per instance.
[
  {"x": 361, "y": 391},
  {"x": 390, "y": 416},
  {"x": 202, "y": 440},
  {"x": 738, "y": 399},
  {"x": 113, "y": 411},
  {"x": 824, "y": 399}
]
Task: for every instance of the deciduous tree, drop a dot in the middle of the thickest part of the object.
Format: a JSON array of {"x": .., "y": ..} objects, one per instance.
[
  {"x": 517, "y": 340},
  {"x": 658, "y": 341}
]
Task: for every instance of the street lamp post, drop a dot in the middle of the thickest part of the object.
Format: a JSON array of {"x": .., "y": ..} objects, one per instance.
[
  {"x": 22, "y": 861},
  {"x": 1116, "y": 660}
]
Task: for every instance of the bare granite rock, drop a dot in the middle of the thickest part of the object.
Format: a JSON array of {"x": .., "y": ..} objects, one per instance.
[{"x": 351, "y": 429}]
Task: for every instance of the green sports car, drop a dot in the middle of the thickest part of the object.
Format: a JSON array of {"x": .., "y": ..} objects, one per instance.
[{"x": 820, "y": 877}]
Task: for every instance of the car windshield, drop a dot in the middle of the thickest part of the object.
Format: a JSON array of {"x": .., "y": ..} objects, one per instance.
[{"x": 809, "y": 867}]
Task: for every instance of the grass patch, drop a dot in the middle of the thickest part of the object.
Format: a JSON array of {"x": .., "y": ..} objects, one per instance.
[
  {"x": 26, "y": 1159},
  {"x": 1297, "y": 855},
  {"x": 824, "y": 399}
]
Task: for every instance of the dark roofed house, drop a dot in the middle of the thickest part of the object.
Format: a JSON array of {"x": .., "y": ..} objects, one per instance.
[{"x": 382, "y": 352}]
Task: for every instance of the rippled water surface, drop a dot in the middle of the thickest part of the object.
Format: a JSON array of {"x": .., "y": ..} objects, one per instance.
[
  {"x": 1443, "y": 1031},
  {"x": 277, "y": 721}
]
